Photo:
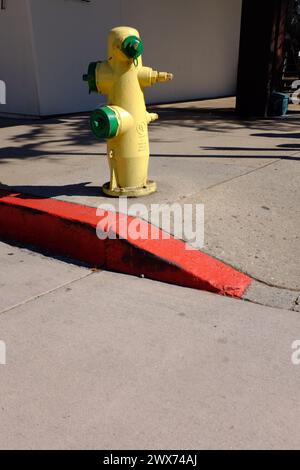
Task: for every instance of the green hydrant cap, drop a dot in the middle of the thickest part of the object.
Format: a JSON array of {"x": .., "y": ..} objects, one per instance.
[
  {"x": 104, "y": 123},
  {"x": 132, "y": 47},
  {"x": 90, "y": 77}
]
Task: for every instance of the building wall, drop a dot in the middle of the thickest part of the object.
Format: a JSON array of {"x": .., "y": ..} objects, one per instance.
[
  {"x": 68, "y": 35},
  {"x": 17, "y": 67},
  {"x": 197, "y": 40}
]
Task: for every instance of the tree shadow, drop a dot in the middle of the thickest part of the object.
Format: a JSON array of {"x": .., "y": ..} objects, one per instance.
[
  {"x": 231, "y": 156},
  {"x": 47, "y": 191},
  {"x": 222, "y": 120},
  {"x": 28, "y": 151},
  {"x": 290, "y": 135},
  {"x": 62, "y": 133},
  {"x": 70, "y": 135},
  {"x": 278, "y": 148}
]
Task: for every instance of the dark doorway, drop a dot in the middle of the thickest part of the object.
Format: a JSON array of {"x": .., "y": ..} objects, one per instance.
[{"x": 262, "y": 54}]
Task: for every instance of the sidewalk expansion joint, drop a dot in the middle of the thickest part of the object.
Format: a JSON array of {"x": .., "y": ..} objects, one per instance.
[
  {"x": 43, "y": 294},
  {"x": 244, "y": 174},
  {"x": 194, "y": 194}
]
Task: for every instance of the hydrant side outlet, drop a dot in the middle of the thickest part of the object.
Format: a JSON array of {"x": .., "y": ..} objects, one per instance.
[
  {"x": 104, "y": 123},
  {"x": 124, "y": 120},
  {"x": 90, "y": 77}
]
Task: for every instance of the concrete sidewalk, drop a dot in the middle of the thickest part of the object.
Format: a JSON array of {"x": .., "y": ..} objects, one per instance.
[
  {"x": 245, "y": 172},
  {"x": 97, "y": 360}
]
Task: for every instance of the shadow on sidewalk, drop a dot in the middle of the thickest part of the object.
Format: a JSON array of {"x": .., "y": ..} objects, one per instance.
[
  {"x": 58, "y": 136},
  {"x": 76, "y": 189}
]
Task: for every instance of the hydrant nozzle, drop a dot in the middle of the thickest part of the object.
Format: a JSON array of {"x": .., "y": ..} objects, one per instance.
[{"x": 124, "y": 120}]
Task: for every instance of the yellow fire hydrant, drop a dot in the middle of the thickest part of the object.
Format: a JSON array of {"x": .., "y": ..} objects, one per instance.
[{"x": 124, "y": 121}]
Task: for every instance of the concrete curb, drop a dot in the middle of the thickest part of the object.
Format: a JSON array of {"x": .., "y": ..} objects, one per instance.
[{"x": 69, "y": 229}]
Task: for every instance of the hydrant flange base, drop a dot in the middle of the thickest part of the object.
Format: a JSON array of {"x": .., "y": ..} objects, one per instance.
[{"x": 149, "y": 188}]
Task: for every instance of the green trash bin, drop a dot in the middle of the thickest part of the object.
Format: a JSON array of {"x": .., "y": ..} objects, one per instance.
[{"x": 279, "y": 103}]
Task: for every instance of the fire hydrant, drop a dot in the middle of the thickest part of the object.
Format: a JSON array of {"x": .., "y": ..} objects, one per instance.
[{"x": 124, "y": 120}]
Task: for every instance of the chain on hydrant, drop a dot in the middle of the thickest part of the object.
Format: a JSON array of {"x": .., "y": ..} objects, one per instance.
[{"x": 124, "y": 121}]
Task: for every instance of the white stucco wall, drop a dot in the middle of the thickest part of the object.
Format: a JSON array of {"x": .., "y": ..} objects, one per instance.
[
  {"x": 68, "y": 35},
  {"x": 17, "y": 67},
  {"x": 197, "y": 40}
]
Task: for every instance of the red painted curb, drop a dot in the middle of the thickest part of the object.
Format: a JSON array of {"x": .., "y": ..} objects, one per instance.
[{"x": 70, "y": 229}]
